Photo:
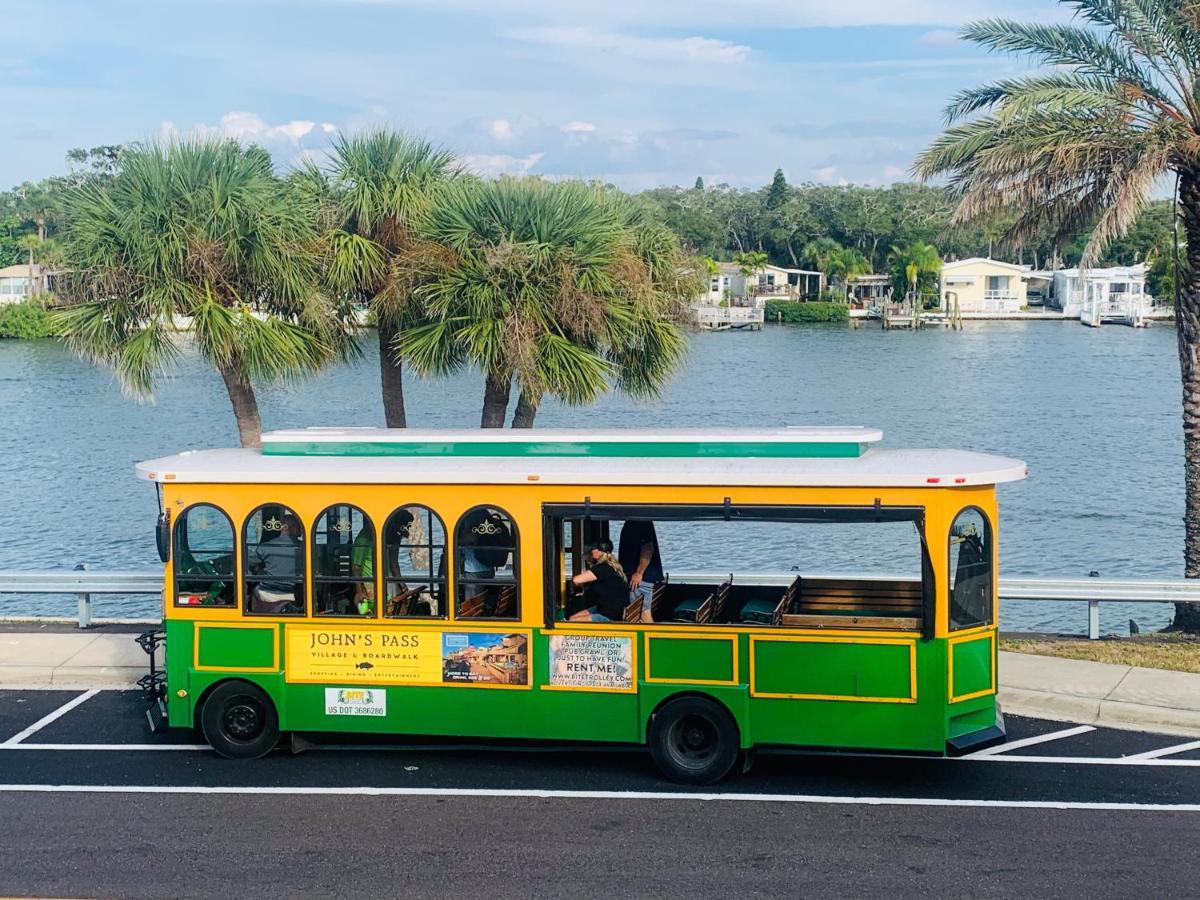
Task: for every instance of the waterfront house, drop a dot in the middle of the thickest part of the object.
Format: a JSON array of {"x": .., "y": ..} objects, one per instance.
[
  {"x": 16, "y": 285},
  {"x": 867, "y": 291},
  {"x": 1118, "y": 292},
  {"x": 983, "y": 285},
  {"x": 772, "y": 282}
]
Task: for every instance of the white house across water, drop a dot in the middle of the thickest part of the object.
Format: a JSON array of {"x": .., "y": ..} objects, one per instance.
[{"x": 1096, "y": 295}]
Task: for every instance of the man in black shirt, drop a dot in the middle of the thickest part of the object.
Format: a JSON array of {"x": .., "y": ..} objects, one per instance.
[{"x": 604, "y": 586}]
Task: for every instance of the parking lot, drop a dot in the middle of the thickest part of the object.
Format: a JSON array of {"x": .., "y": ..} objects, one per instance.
[{"x": 1058, "y": 806}]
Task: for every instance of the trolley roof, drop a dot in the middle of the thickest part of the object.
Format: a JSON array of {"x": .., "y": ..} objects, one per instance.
[{"x": 783, "y": 457}]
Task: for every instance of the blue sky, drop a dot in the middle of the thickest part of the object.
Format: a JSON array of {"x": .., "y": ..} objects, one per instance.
[{"x": 637, "y": 92}]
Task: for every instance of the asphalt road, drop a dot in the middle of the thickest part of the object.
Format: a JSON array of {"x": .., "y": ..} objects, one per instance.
[{"x": 91, "y": 804}]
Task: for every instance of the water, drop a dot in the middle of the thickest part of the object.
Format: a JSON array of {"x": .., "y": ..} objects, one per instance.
[{"x": 1095, "y": 413}]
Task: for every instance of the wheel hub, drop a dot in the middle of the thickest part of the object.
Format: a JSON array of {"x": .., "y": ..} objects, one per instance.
[{"x": 243, "y": 721}]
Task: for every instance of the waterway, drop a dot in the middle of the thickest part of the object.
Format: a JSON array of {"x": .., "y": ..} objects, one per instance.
[{"x": 1095, "y": 413}]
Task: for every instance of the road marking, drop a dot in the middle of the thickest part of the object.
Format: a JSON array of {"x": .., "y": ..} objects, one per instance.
[
  {"x": 1131, "y": 761},
  {"x": 105, "y": 747},
  {"x": 1086, "y": 760},
  {"x": 1166, "y": 751},
  {"x": 590, "y": 795},
  {"x": 46, "y": 720},
  {"x": 1030, "y": 741}
]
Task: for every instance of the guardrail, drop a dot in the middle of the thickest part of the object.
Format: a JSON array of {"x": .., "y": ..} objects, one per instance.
[{"x": 85, "y": 584}]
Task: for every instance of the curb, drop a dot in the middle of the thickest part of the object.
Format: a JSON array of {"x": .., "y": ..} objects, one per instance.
[{"x": 1102, "y": 713}]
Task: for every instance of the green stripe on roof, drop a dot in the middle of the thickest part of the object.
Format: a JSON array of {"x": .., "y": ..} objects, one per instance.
[{"x": 636, "y": 449}]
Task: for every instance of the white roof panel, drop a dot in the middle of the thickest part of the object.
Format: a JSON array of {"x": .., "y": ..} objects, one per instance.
[{"x": 874, "y": 468}]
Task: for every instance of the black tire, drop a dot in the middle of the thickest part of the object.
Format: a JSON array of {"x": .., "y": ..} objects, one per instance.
[
  {"x": 239, "y": 721},
  {"x": 693, "y": 740}
]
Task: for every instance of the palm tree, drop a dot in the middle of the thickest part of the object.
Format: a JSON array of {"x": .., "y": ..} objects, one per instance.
[
  {"x": 750, "y": 263},
  {"x": 554, "y": 286},
  {"x": 31, "y": 244},
  {"x": 382, "y": 185},
  {"x": 198, "y": 232},
  {"x": 1084, "y": 143},
  {"x": 910, "y": 262}
]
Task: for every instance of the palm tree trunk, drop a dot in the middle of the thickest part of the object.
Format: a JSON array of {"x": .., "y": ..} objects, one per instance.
[
  {"x": 1187, "y": 322},
  {"x": 391, "y": 378},
  {"x": 527, "y": 407},
  {"x": 496, "y": 392},
  {"x": 33, "y": 291},
  {"x": 245, "y": 405}
]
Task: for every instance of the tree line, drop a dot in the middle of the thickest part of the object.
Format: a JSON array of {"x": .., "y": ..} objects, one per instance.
[
  {"x": 548, "y": 289},
  {"x": 853, "y": 229}
]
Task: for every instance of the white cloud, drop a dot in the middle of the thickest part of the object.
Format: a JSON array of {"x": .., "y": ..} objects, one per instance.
[
  {"x": 579, "y": 128},
  {"x": 490, "y": 165},
  {"x": 893, "y": 174},
  {"x": 251, "y": 128},
  {"x": 708, "y": 51},
  {"x": 939, "y": 37},
  {"x": 829, "y": 175},
  {"x": 500, "y": 129}
]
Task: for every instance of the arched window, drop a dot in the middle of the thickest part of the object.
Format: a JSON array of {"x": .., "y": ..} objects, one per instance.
[
  {"x": 485, "y": 570},
  {"x": 204, "y": 558},
  {"x": 414, "y": 553},
  {"x": 971, "y": 551},
  {"x": 273, "y": 561},
  {"x": 343, "y": 549}
]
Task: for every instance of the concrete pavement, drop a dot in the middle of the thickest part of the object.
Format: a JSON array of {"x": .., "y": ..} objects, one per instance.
[{"x": 1046, "y": 687}]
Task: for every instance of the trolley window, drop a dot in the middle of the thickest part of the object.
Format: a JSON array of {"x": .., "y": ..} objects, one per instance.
[
  {"x": 204, "y": 558},
  {"x": 849, "y": 567},
  {"x": 485, "y": 556},
  {"x": 414, "y": 553},
  {"x": 273, "y": 554},
  {"x": 971, "y": 552},
  {"x": 344, "y": 562}
]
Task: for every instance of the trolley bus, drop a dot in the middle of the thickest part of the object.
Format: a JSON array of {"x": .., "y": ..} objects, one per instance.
[{"x": 800, "y": 587}]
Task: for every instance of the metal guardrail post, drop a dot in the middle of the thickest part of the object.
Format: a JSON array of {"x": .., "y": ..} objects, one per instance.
[
  {"x": 85, "y": 603},
  {"x": 1094, "y": 620}
]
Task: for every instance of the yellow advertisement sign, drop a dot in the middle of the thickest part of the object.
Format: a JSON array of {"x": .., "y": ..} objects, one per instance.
[
  {"x": 347, "y": 655},
  {"x": 333, "y": 654}
]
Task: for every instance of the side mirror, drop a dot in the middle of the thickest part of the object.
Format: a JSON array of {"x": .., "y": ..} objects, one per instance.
[{"x": 162, "y": 536}]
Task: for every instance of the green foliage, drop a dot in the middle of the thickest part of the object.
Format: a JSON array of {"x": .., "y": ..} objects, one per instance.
[
  {"x": 776, "y": 192},
  {"x": 565, "y": 287},
  {"x": 1081, "y": 144},
  {"x": 204, "y": 230},
  {"x": 790, "y": 312},
  {"x": 25, "y": 321},
  {"x": 915, "y": 266}
]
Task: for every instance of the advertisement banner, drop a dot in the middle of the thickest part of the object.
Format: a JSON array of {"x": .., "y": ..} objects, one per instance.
[
  {"x": 324, "y": 654},
  {"x": 473, "y": 657},
  {"x": 347, "y": 655},
  {"x": 596, "y": 662}
]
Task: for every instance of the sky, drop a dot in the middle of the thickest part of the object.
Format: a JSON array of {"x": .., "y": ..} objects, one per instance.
[{"x": 639, "y": 93}]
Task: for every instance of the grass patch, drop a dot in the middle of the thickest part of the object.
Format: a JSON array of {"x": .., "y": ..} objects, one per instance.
[
  {"x": 1175, "y": 652},
  {"x": 790, "y": 312}
]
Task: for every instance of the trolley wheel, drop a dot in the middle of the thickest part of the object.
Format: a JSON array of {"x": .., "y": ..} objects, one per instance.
[
  {"x": 239, "y": 721},
  {"x": 693, "y": 740}
]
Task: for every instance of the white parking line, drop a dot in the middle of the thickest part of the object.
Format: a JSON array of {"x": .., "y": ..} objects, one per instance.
[
  {"x": 1166, "y": 751},
  {"x": 46, "y": 720},
  {"x": 104, "y": 747},
  {"x": 1030, "y": 741},
  {"x": 592, "y": 795}
]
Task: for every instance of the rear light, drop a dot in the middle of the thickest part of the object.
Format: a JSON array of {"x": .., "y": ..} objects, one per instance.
[{"x": 933, "y": 481}]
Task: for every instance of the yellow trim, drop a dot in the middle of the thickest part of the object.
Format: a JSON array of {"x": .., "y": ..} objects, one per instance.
[
  {"x": 912, "y": 668},
  {"x": 711, "y": 636},
  {"x": 633, "y": 660},
  {"x": 990, "y": 636},
  {"x": 253, "y": 626}
]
